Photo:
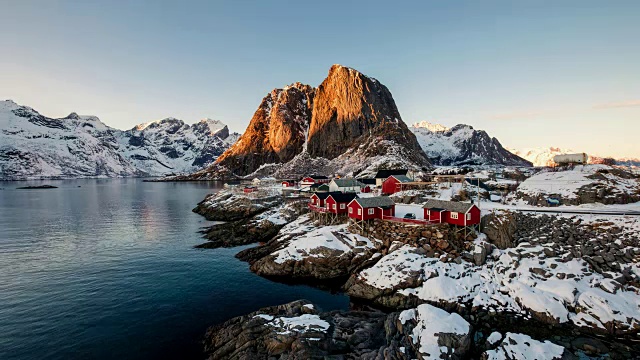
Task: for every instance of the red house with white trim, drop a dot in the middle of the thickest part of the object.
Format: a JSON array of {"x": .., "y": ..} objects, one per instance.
[
  {"x": 392, "y": 184},
  {"x": 452, "y": 212},
  {"x": 318, "y": 199},
  {"x": 371, "y": 208},
  {"x": 314, "y": 179},
  {"x": 338, "y": 202}
]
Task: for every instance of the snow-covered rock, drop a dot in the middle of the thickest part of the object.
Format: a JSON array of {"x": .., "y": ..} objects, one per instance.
[
  {"x": 35, "y": 146},
  {"x": 523, "y": 347},
  {"x": 521, "y": 280},
  {"x": 462, "y": 145},
  {"x": 436, "y": 333}
]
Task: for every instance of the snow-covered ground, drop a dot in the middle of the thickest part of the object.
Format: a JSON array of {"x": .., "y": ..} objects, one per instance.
[
  {"x": 319, "y": 241},
  {"x": 567, "y": 183},
  {"x": 521, "y": 280}
]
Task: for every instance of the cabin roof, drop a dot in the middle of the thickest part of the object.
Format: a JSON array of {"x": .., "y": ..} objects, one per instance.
[
  {"x": 454, "y": 206},
  {"x": 377, "y": 201},
  {"x": 317, "y": 177},
  {"x": 323, "y": 195},
  {"x": 368, "y": 181},
  {"x": 347, "y": 182},
  {"x": 383, "y": 174},
  {"x": 402, "y": 178},
  {"x": 341, "y": 197}
]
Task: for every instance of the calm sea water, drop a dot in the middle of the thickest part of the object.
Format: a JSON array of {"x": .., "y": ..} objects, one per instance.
[{"x": 105, "y": 269}]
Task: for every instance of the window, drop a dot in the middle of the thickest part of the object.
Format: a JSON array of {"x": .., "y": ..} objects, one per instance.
[
  {"x": 454, "y": 215},
  {"x": 313, "y": 201},
  {"x": 371, "y": 211},
  {"x": 359, "y": 211},
  {"x": 334, "y": 206},
  {"x": 342, "y": 206},
  {"x": 327, "y": 206},
  {"x": 428, "y": 213},
  {"x": 350, "y": 210},
  {"x": 468, "y": 216}
]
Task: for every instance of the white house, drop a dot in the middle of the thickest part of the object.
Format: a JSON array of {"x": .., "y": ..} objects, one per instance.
[{"x": 345, "y": 185}]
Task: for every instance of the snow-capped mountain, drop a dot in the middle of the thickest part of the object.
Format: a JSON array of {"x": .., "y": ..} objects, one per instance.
[
  {"x": 540, "y": 156},
  {"x": 462, "y": 145},
  {"x": 34, "y": 146},
  {"x": 544, "y": 156},
  {"x": 430, "y": 126}
]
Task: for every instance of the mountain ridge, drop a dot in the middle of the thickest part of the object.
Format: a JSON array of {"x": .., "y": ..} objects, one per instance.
[{"x": 33, "y": 146}]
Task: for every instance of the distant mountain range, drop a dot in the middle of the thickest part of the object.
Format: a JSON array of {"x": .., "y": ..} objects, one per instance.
[
  {"x": 544, "y": 156},
  {"x": 463, "y": 145},
  {"x": 33, "y": 146}
]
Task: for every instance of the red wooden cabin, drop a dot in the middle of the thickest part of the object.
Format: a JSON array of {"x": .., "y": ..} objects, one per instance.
[
  {"x": 393, "y": 183},
  {"x": 337, "y": 203},
  {"x": 371, "y": 208},
  {"x": 314, "y": 179},
  {"x": 452, "y": 212},
  {"x": 366, "y": 189},
  {"x": 249, "y": 189},
  {"x": 318, "y": 199},
  {"x": 288, "y": 183}
]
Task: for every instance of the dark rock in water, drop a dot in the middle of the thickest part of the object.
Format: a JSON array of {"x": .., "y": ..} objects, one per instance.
[
  {"x": 239, "y": 233},
  {"x": 38, "y": 187},
  {"x": 225, "y": 206}
]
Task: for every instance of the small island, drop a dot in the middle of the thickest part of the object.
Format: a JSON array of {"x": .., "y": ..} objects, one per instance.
[{"x": 37, "y": 187}]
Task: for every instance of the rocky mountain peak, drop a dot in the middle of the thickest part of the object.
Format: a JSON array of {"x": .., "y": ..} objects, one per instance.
[
  {"x": 276, "y": 133},
  {"x": 351, "y": 107}
]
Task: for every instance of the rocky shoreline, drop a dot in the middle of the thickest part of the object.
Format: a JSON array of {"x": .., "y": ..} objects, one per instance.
[{"x": 532, "y": 282}]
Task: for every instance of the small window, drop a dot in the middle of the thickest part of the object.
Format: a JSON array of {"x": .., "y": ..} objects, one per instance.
[
  {"x": 342, "y": 206},
  {"x": 428, "y": 213},
  {"x": 334, "y": 206},
  {"x": 372, "y": 211},
  {"x": 327, "y": 206},
  {"x": 468, "y": 216},
  {"x": 350, "y": 210},
  {"x": 359, "y": 211},
  {"x": 454, "y": 215},
  {"x": 313, "y": 201}
]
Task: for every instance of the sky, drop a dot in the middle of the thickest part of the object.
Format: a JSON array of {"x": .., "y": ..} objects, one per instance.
[{"x": 531, "y": 73}]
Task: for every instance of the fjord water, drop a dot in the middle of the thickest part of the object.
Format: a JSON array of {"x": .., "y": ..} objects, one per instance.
[{"x": 104, "y": 269}]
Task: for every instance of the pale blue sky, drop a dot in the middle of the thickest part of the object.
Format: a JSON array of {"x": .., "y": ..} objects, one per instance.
[{"x": 531, "y": 73}]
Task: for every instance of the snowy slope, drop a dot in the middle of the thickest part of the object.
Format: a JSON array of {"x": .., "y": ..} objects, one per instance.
[
  {"x": 462, "y": 145},
  {"x": 33, "y": 146}
]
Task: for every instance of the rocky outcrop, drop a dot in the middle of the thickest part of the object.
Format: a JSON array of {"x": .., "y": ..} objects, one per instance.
[
  {"x": 298, "y": 330},
  {"x": 349, "y": 109},
  {"x": 253, "y": 228},
  {"x": 276, "y": 132},
  {"x": 227, "y": 206},
  {"x": 500, "y": 228}
]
